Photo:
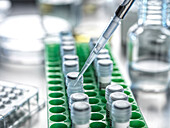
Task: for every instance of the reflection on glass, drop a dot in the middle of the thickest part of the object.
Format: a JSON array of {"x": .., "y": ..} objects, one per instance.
[
  {"x": 60, "y": 13},
  {"x": 4, "y": 8}
]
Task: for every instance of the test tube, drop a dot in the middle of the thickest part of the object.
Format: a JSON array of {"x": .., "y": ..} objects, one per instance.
[
  {"x": 70, "y": 66},
  {"x": 78, "y": 97},
  {"x": 121, "y": 113},
  {"x": 70, "y": 83},
  {"x": 80, "y": 114},
  {"x": 104, "y": 73},
  {"x": 101, "y": 57},
  {"x": 66, "y": 50},
  {"x": 65, "y": 33},
  {"x": 114, "y": 97},
  {"x": 111, "y": 89}
]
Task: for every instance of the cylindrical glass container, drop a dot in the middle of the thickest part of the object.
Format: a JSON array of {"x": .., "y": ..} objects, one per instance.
[{"x": 149, "y": 48}]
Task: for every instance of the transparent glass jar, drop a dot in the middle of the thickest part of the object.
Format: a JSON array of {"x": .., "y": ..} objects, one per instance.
[{"x": 149, "y": 48}]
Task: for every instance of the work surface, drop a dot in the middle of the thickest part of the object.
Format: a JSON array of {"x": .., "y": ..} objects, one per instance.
[{"x": 155, "y": 107}]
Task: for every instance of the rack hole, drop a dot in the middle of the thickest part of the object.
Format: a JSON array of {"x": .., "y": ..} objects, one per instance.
[
  {"x": 96, "y": 116},
  {"x": 93, "y": 100},
  {"x": 135, "y": 115},
  {"x": 58, "y": 125},
  {"x": 56, "y": 102},
  {"x": 97, "y": 125},
  {"x": 55, "y": 82},
  {"x": 56, "y": 95},
  {"x": 89, "y": 87},
  {"x": 55, "y": 88},
  {"x": 95, "y": 108},
  {"x": 57, "y": 118},
  {"x": 54, "y": 76},
  {"x": 137, "y": 124},
  {"x": 57, "y": 109},
  {"x": 91, "y": 94}
]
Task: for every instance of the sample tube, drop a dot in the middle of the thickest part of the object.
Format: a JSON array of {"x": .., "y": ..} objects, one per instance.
[
  {"x": 70, "y": 66},
  {"x": 121, "y": 113},
  {"x": 101, "y": 57},
  {"x": 78, "y": 97},
  {"x": 66, "y": 50},
  {"x": 114, "y": 97},
  {"x": 70, "y": 83},
  {"x": 80, "y": 114},
  {"x": 104, "y": 73},
  {"x": 111, "y": 89}
]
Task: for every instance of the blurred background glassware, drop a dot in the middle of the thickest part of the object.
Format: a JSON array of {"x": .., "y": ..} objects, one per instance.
[
  {"x": 149, "y": 48},
  {"x": 5, "y": 6},
  {"x": 21, "y": 40},
  {"x": 130, "y": 19},
  {"x": 96, "y": 15},
  {"x": 59, "y": 15}
]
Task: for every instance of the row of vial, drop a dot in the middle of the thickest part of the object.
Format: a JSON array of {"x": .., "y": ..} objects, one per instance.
[
  {"x": 78, "y": 101},
  {"x": 118, "y": 108}
]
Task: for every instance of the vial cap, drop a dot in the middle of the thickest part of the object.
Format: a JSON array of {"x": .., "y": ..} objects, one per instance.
[
  {"x": 80, "y": 106},
  {"x": 78, "y": 97},
  {"x": 113, "y": 88},
  {"x": 104, "y": 51},
  {"x": 8, "y": 90},
  {"x": 3, "y": 94},
  {"x": 105, "y": 62},
  {"x": 70, "y": 57},
  {"x": 67, "y": 38},
  {"x": 121, "y": 105},
  {"x": 103, "y": 56},
  {"x": 117, "y": 96},
  {"x": 72, "y": 75},
  {"x": 121, "y": 111},
  {"x": 6, "y": 100},
  {"x": 71, "y": 63},
  {"x": 68, "y": 48},
  {"x": 68, "y": 43}
]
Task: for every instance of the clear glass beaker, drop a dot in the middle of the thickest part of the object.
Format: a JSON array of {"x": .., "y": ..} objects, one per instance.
[{"x": 149, "y": 48}]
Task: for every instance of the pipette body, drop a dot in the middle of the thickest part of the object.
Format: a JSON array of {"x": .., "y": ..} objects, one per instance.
[{"x": 114, "y": 23}]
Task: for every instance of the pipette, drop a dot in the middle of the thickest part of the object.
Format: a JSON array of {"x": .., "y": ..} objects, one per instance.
[{"x": 114, "y": 23}]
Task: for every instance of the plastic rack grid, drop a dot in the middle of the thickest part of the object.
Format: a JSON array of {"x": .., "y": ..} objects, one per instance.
[{"x": 58, "y": 112}]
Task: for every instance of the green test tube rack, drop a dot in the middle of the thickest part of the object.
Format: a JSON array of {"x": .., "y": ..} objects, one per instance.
[{"x": 58, "y": 109}]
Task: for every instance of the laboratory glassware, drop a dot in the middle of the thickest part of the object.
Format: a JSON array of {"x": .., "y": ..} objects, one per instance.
[{"x": 149, "y": 48}]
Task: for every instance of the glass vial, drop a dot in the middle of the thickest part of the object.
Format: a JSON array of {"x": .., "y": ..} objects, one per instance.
[
  {"x": 148, "y": 48},
  {"x": 111, "y": 89},
  {"x": 114, "y": 97},
  {"x": 80, "y": 114},
  {"x": 70, "y": 81},
  {"x": 121, "y": 113},
  {"x": 78, "y": 97},
  {"x": 104, "y": 73},
  {"x": 67, "y": 50},
  {"x": 70, "y": 58},
  {"x": 101, "y": 57},
  {"x": 70, "y": 66}
]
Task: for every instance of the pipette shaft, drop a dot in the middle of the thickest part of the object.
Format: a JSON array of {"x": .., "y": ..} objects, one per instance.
[{"x": 114, "y": 23}]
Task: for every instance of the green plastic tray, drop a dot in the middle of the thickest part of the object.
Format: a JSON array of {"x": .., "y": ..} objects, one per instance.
[{"x": 58, "y": 112}]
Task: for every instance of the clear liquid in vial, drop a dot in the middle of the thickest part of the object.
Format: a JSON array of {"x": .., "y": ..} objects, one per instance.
[{"x": 150, "y": 75}]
